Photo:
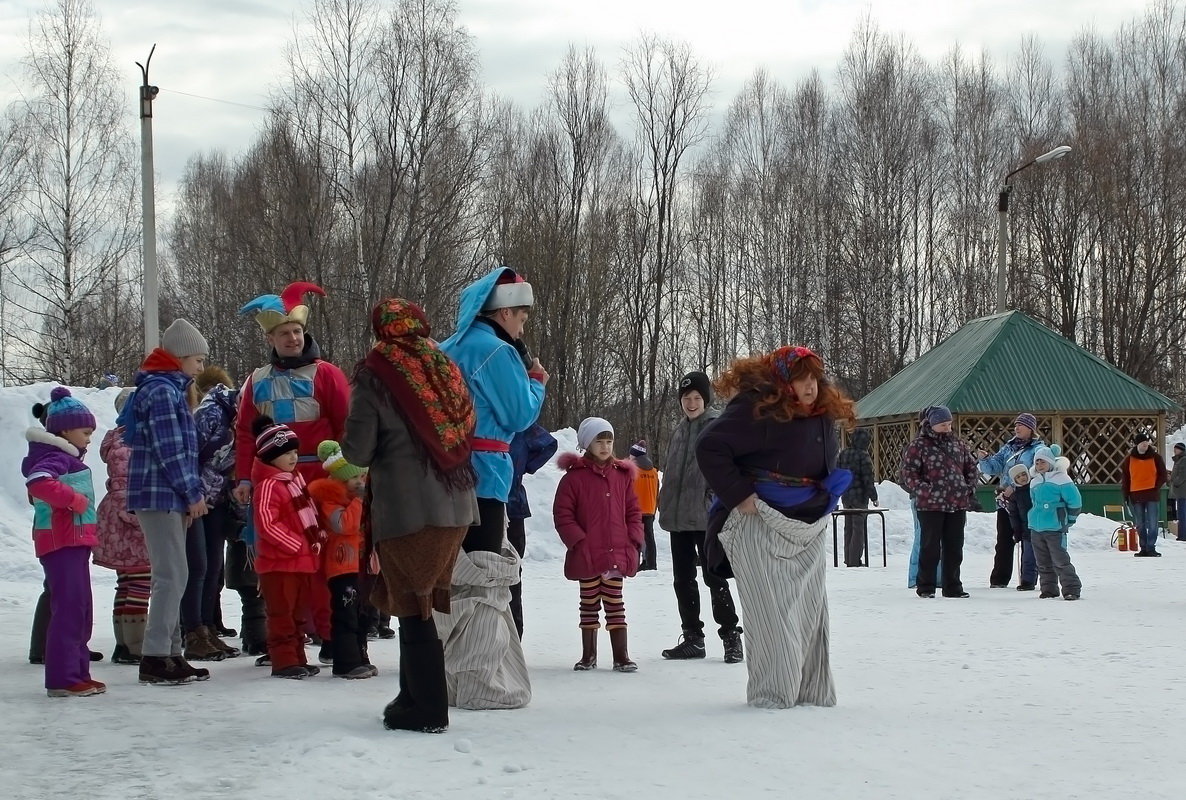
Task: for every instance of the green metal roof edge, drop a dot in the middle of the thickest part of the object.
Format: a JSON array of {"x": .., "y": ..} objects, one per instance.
[
  {"x": 1003, "y": 322},
  {"x": 1019, "y": 319},
  {"x": 919, "y": 364}
]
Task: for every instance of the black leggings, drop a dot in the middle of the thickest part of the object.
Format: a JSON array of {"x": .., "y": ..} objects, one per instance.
[{"x": 488, "y": 534}]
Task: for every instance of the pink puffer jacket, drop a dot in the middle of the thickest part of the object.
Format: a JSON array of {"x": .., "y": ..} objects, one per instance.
[{"x": 121, "y": 542}]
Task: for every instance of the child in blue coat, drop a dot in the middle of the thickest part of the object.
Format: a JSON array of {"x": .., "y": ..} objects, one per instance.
[{"x": 1056, "y": 504}]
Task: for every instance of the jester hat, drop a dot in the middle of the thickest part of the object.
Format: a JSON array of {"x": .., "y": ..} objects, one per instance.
[{"x": 271, "y": 311}]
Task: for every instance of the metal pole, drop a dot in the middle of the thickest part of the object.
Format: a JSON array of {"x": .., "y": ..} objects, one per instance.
[
  {"x": 148, "y": 200},
  {"x": 1002, "y": 244}
]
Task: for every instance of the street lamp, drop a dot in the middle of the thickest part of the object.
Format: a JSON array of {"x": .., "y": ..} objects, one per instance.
[{"x": 1003, "y": 218}]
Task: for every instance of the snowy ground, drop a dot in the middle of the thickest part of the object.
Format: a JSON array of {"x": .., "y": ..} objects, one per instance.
[{"x": 1001, "y": 695}]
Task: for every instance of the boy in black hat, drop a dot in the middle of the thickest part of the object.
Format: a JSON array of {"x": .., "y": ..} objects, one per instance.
[{"x": 683, "y": 512}]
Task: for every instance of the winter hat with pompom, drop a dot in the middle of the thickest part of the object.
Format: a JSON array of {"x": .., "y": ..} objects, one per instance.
[
  {"x": 639, "y": 448},
  {"x": 590, "y": 428},
  {"x": 330, "y": 453},
  {"x": 1049, "y": 454},
  {"x": 64, "y": 412},
  {"x": 272, "y": 439}
]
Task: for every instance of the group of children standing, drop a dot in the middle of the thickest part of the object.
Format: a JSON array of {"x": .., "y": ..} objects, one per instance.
[{"x": 302, "y": 533}]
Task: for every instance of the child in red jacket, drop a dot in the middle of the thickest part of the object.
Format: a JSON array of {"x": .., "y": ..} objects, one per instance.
[
  {"x": 339, "y": 505},
  {"x": 597, "y": 516},
  {"x": 288, "y": 545}
]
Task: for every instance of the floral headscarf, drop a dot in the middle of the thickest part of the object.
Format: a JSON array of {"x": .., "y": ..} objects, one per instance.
[{"x": 426, "y": 388}]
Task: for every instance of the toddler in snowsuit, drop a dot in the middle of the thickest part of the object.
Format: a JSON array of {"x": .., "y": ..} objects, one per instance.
[
  {"x": 1056, "y": 503},
  {"x": 597, "y": 516},
  {"x": 339, "y": 502}
]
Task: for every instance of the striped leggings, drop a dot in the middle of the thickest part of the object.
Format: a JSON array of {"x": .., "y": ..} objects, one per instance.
[
  {"x": 596, "y": 591},
  {"x": 131, "y": 593}
]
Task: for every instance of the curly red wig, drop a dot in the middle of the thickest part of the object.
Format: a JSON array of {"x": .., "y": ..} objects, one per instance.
[{"x": 769, "y": 376}]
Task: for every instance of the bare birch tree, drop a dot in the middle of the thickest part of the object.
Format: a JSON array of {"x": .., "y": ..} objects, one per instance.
[{"x": 80, "y": 202}]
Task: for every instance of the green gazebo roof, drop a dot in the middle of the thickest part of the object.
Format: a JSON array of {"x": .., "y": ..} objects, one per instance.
[{"x": 1008, "y": 363}]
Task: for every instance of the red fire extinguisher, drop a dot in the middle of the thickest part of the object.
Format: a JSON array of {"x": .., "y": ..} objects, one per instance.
[{"x": 1125, "y": 538}]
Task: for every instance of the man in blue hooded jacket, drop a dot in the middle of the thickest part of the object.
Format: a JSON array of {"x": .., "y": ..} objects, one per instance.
[{"x": 507, "y": 392}]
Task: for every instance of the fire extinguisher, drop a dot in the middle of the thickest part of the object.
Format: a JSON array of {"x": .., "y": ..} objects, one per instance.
[
  {"x": 1120, "y": 538},
  {"x": 1133, "y": 544}
]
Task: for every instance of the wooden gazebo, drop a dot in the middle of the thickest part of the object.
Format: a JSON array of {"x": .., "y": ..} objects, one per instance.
[{"x": 995, "y": 367}]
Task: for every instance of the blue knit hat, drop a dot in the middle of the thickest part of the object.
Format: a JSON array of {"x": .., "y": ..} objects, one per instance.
[
  {"x": 937, "y": 415},
  {"x": 64, "y": 412},
  {"x": 1049, "y": 454}
]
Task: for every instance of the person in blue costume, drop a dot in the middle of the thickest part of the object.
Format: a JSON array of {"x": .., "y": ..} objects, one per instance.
[{"x": 507, "y": 392}]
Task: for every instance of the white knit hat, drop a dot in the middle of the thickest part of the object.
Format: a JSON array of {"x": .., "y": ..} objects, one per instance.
[{"x": 590, "y": 428}]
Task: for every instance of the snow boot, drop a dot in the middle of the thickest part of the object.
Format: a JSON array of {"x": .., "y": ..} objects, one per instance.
[
  {"x": 217, "y": 643},
  {"x": 734, "y": 653},
  {"x": 199, "y": 648},
  {"x": 326, "y": 654},
  {"x": 427, "y": 707},
  {"x": 691, "y": 645},
  {"x": 163, "y": 671},
  {"x": 199, "y": 673},
  {"x": 622, "y": 660},
  {"x": 296, "y": 672},
  {"x": 1025, "y": 587},
  {"x": 588, "y": 651},
  {"x": 924, "y": 593}
]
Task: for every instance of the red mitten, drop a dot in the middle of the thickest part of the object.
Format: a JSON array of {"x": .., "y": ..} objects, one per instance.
[{"x": 80, "y": 503}]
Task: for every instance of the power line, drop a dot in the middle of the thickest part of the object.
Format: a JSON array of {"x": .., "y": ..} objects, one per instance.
[{"x": 215, "y": 99}]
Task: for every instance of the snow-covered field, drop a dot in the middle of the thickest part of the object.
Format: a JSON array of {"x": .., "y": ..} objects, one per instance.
[{"x": 1001, "y": 695}]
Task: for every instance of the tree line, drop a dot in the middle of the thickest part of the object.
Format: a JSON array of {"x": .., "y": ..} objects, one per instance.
[{"x": 853, "y": 210}]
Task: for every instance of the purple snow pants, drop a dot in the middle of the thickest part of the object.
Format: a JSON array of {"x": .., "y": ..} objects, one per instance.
[{"x": 67, "y": 656}]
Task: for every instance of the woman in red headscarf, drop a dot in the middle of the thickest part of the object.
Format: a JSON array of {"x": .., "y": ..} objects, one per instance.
[{"x": 770, "y": 459}]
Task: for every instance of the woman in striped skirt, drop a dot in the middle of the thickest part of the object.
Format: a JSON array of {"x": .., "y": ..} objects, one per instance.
[{"x": 770, "y": 459}]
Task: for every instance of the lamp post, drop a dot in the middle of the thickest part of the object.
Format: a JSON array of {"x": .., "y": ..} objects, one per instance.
[
  {"x": 1003, "y": 218},
  {"x": 148, "y": 209}
]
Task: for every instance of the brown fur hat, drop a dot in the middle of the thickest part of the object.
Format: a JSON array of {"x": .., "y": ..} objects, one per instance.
[{"x": 212, "y": 376}]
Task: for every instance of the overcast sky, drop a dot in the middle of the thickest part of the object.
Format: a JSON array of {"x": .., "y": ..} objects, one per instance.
[{"x": 233, "y": 49}]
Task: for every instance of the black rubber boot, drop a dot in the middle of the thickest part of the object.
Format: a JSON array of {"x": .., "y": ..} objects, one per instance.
[{"x": 423, "y": 671}]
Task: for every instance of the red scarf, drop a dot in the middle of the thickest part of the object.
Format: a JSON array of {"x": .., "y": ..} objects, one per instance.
[
  {"x": 426, "y": 388},
  {"x": 161, "y": 360}
]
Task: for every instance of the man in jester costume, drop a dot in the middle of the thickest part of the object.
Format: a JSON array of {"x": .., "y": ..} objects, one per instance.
[{"x": 295, "y": 388}]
